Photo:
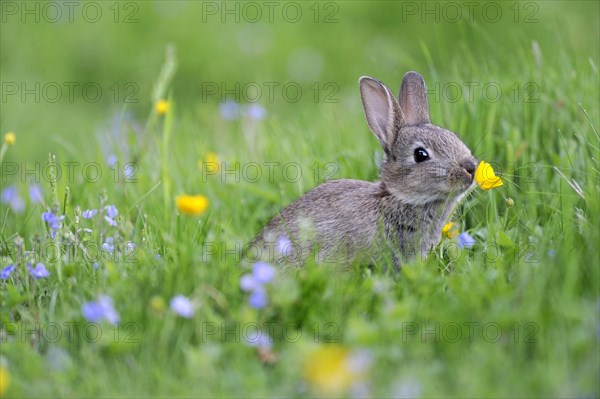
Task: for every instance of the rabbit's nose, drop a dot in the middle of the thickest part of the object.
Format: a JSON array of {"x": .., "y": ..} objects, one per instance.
[{"x": 470, "y": 166}]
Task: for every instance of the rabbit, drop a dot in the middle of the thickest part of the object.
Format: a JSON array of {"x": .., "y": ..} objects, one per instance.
[{"x": 426, "y": 170}]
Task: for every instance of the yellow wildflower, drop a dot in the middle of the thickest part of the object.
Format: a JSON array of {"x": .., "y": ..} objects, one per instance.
[
  {"x": 10, "y": 138},
  {"x": 162, "y": 107},
  {"x": 192, "y": 204},
  {"x": 4, "y": 381},
  {"x": 332, "y": 369},
  {"x": 486, "y": 178},
  {"x": 211, "y": 160},
  {"x": 157, "y": 304},
  {"x": 449, "y": 230}
]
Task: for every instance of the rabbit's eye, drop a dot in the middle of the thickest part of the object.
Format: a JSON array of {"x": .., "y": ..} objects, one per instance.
[{"x": 421, "y": 155}]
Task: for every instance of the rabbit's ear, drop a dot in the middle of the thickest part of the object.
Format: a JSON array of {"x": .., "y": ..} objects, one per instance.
[
  {"x": 383, "y": 113},
  {"x": 413, "y": 99}
]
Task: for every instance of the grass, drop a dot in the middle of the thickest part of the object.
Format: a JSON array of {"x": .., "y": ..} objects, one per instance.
[{"x": 516, "y": 315}]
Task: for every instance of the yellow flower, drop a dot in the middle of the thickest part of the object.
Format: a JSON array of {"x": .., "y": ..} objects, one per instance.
[
  {"x": 333, "y": 369},
  {"x": 4, "y": 381},
  {"x": 486, "y": 178},
  {"x": 162, "y": 107},
  {"x": 210, "y": 160},
  {"x": 449, "y": 231},
  {"x": 10, "y": 138},
  {"x": 192, "y": 204},
  {"x": 157, "y": 304}
]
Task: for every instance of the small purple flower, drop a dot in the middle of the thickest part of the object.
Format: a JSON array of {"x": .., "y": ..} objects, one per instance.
[
  {"x": 465, "y": 240},
  {"x": 111, "y": 159},
  {"x": 263, "y": 272},
  {"x": 109, "y": 245},
  {"x": 89, "y": 213},
  {"x": 103, "y": 309},
  {"x": 258, "y": 299},
  {"x": 11, "y": 196},
  {"x": 110, "y": 221},
  {"x": 229, "y": 110},
  {"x": 39, "y": 271},
  {"x": 95, "y": 265},
  {"x": 129, "y": 170},
  {"x": 552, "y": 253},
  {"x": 129, "y": 248},
  {"x": 53, "y": 221},
  {"x": 248, "y": 283},
  {"x": 258, "y": 340},
  {"x": 182, "y": 306},
  {"x": 92, "y": 311},
  {"x": 35, "y": 193},
  {"x": 111, "y": 211},
  {"x": 283, "y": 246},
  {"x": 5, "y": 273},
  {"x": 255, "y": 111}
]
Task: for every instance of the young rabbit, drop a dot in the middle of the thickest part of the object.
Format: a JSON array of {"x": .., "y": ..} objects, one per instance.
[{"x": 425, "y": 172}]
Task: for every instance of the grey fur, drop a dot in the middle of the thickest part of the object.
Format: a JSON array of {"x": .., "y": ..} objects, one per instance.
[{"x": 345, "y": 221}]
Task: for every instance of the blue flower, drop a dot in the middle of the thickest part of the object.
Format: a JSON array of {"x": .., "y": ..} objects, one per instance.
[
  {"x": 53, "y": 221},
  {"x": 35, "y": 193},
  {"x": 111, "y": 211},
  {"x": 254, "y": 111},
  {"x": 259, "y": 340},
  {"x": 39, "y": 271},
  {"x": 10, "y": 196},
  {"x": 5, "y": 273},
  {"x": 182, "y": 306},
  {"x": 465, "y": 240},
  {"x": 89, "y": 213},
  {"x": 103, "y": 309},
  {"x": 229, "y": 110},
  {"x": 109, "y": 245},
  {"x": 283, "y": 246},
  {"x": 248, "y": 283},
  {"x": 111, "y": 159},
  {"x": 258, "y": 298},
  {"x": 110, "y": 221},
  {"x": 263, "y": 272}
]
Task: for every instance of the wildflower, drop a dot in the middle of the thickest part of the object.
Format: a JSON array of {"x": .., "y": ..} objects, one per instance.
[
  {"x": 6, "y": 272},
  {"x": 109, "y": 245},
  {"x": 129, "y": 171},
  {"x": 53, "y": 221},
  {"x": 102, "y": 309},
  {"x": 258, "y": 299},
  {"x": 35, "y": 193},
  {"x": 39, "y": 271},
  {"x": 509, "y": 202},
  {"x": 161, "y": 107},
  {"x": 333, "y": 369},
  {"x": 552, "y": 252},
  {"x": 486, "y": 178},
  {"x": 449, "y": 231},
  {"x": 465, "y": 240},
  {"x": 192, "y": 204},
  {"x": 254, "y": 111},
  {"x": 95, "y": 265},
  {"x": 10, "y": 196},
  {"x": 157, "y": 304},
  {"x": 111, "y": 159},
  {"x": 89, "y": 213},
  {"x": 263, "y": 272},
  {"x": 10, "y": 138},
  {"x": 283, "y": 246},
  {"x": 259, "y": 340},
  {"x": 129, "y": 248},
  {"x": 111, "y": 211},
  {"x": 4, "y": 380},
  {"x": 182, "y": 306},
  {"x": 211, "y": 159},
  {"x": 110, "y": 221},
  {"x": 229, "y": 110}
]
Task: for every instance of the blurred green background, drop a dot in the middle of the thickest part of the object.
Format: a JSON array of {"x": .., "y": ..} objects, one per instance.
[
  {"x": 533, "y": 112},
  {"x": 120, "y": 47}
]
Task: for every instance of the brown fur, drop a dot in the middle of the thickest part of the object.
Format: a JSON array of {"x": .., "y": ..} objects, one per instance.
[{"x": 345, "y": 221}]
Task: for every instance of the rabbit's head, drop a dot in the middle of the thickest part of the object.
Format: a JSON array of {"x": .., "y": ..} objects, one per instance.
[{"x": 423, "y": 162}]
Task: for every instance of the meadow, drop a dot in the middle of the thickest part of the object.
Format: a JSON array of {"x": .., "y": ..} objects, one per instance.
[{"x": 114, "y": 285}]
